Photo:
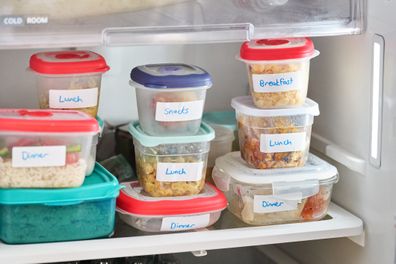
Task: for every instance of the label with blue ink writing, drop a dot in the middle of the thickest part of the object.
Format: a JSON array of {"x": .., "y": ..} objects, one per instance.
[
  {"x": 185, "y": 222},
  {"x": 277, "y": 82},
  {"x": 286, "y": 142},
  {"x": 270, "y": 203},
  {"x": 175, "y": 172},
  {"x": 43, "y": 156},
  {"x": 81, "y": 98},
  {"x": 179, "y": 111}
]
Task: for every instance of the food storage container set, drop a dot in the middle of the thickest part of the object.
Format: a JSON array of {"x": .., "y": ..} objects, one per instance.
[
  {"x": 50, "y": 188},
  {"x": 171, "y": 150},
  {"x": 274, "y": 179}
]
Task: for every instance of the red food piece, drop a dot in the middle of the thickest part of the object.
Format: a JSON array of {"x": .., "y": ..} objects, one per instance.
[
  {"x": 314, "y": 207},
  {"x": 72, "y": 157}
]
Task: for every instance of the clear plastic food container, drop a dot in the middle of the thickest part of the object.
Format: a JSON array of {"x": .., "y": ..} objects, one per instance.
[
  {"x": 274, "y": 138},
  {"x": 46, "y": 148},
  {"x": 278, "y": 70},
  {"x": 219, "y": 146},
  {"x": 171, "y": 166},
  {"x": 170, "y": 214},
  {"x": 277, "y": 196},
  {"x": 69, "y": 79},
  {"x": 170, "y": 98},
  {"x": 42, "y": 215}
]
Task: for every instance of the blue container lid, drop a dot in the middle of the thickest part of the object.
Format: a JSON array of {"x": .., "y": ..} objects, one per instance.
[
  {"x": 101, "y": 184},
  {"x": 171, "y": 75},
  {"x": 225, "y": 119},
  {"x": 205, "y": 134}
]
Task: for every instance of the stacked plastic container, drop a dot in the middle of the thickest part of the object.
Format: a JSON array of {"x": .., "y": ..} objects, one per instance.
[
  {"x": 270, "y": 180},
  {"x": 171, "y": 150},
  {"x": 45, "y": 156}
]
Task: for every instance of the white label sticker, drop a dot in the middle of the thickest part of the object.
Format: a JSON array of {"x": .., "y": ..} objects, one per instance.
[
  {"x": 271, "y": 143},
  {"x": 48, "y": 156},
  {"x": 270, "y": 204},
  {"x": 278, "y": 82},
  {"x": 175, "y": 172},
  {"x": 73, "y": 98},
  {"x": 185, "y": 222},
  {"x": 179, "y": 111}
]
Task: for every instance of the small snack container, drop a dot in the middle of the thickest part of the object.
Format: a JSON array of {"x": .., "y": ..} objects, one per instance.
[
  {"x": 170, "y": 97},
  {"x": 274, "y": 138},
  {"x": 46, "y": 148},
  {"x": 69, "y": 79},
  {"x": 170, "y": 214},
  {"x": 171, "y": 166},
  {"x": 219, "y": 146},
  {"x": 277, "y": 196},
  {"x": 278, "y": 70},
  {"x": 43, "y": 215}
]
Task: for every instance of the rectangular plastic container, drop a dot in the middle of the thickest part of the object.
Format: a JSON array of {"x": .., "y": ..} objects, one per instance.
[
  {"x": 171, "y": 214},
  {"x": 278, "y": 70},
  {"x": 170, "y": 98},
  {"x": 40, "y": 215},
  {"x": 274, "y": 138},
  {"x": 46, "y": 148},
  {"x": 69, "y": 79},
  {"x": 171, "y": 166},
  {"x": 277, "y": 196}
]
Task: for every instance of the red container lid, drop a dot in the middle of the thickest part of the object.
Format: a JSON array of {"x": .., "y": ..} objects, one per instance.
[
  {"x": 68, "y": 62},
  {"x": 277, "y": 49},
  {"x": 46, "y": 121},
  {"x": 132, "y": 200}
]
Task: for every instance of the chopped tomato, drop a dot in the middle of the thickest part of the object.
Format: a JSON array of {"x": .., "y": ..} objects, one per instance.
[
  {"x": 72, "y": 157},
  {"x": 314, "y": 207}
]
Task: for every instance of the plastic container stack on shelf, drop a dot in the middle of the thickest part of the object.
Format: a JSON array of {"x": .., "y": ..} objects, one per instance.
[
  {"x": 270, "y": 181},
  {"x": 171, "y": 150}
]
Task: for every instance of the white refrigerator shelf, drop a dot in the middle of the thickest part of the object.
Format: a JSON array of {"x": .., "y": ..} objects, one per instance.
[{"x": 229, "y": 232}]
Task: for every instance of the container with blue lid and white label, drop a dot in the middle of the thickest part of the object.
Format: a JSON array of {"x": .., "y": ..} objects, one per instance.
[
  {"x": 170, "y": 97},
  {"x": 171, "y": 166},
  {"x": 276, "y": 196},
  {"x": 274, "y": 138}
]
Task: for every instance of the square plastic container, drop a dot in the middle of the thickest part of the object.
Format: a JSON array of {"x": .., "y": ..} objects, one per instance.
[
  {"x": 46, "y": 148},
  {"x": 277, "y": 196},
  {"x": 171, "y": 166},
  {"x": 40, "y": 215},
  {"x": 170, "y": 214},
  {"x": 274, "y": 138},
  {"x": 69, "y": 79},
  {"x": 278, "y": 70},
  {"x": 170, "y": 98}
]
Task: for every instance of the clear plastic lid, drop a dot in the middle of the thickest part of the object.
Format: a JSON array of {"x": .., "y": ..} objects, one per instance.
[
  {"x": 47, "y": 121},
  {"x": 245, "y": 105},
  {"x": 133, "y": 200}
]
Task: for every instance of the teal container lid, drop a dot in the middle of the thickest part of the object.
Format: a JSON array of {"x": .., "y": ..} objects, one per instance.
[
  {"x": 101, "y": 184},
  {"x": 205, "y": 134},
  {"x": 225, "y": 119}
]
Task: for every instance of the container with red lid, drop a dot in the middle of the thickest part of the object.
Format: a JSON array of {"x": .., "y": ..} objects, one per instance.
[
  {"x": 169, "y": 214},
  {"x": 278, "y": 70},
  {"x": 69, "y": 79},
  {"x": 46, "y": 148}
]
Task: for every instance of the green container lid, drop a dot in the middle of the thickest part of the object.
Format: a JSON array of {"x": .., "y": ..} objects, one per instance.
[
  {"x": 205, "y": 134},
  {"x": 101, "y": 184},
  {"x": 225, "y": 119}
]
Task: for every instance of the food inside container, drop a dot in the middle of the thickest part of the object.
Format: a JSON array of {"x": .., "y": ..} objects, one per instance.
[
  {"x": 274, "y": 138},
  {"x": 42, "y": 215},
  {"x": 278, "y": 70},
  {"x": 277, "y": 196},
  {"x": 170, "y": 97},
  {"x": 69, "y": 79},
  {"x": 46, "y": 148},
  {"x": 169, "y": 214},
  {"x": 171, "y": 166},
  {"x": 219, "y": 146}
]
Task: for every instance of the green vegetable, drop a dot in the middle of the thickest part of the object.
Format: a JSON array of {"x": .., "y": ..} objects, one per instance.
[
  {"x": 4, "y": 152},
  {"x": 73, "y": 148}
]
